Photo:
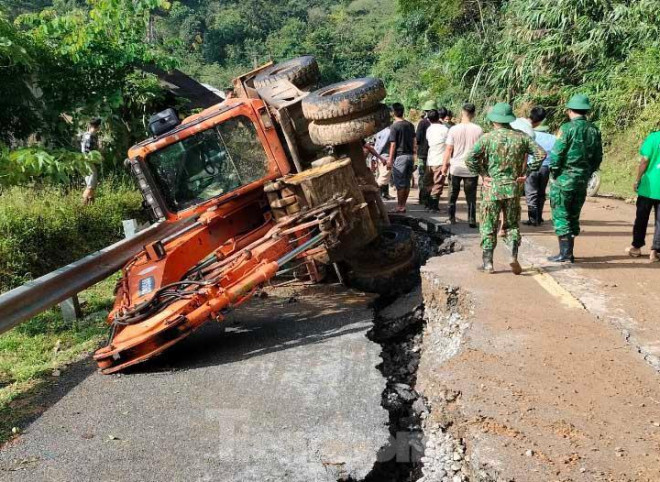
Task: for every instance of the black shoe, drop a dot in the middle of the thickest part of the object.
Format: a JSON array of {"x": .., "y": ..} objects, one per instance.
[
  {"x": 531, "y": 218},
  {"x": 434, "y": 204},
  {"x": 452, "y": 214},
  {"x": 565, "y": 255},
  {"x": 473, "y": 225},
  {"x": 487, "y": 264}
]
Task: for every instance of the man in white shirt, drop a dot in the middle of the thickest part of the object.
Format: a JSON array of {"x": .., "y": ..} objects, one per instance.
[
  {"x": 523, "y": 125},
  {"x": 436, "y": 136},
  {"x": 537, "y": 181},
  {"x": 460, "y": 141},
  {"x": 384, "y": 174}
]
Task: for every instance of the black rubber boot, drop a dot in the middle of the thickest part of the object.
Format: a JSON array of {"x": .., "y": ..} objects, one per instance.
[
  {"x": 472, "y": 218},
  {"x": 513, "y": 262},
  {"x": 487, "y": 266},
  {"x": 539, "y": 217},
  {"x": 434, "y": 204},
  {"x": 532, "y": 218},
  {"x": 452, "y": 213},
  {"x": 565, "y": 255}
]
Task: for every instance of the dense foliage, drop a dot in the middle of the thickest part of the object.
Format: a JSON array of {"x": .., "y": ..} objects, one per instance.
[
  {"x": 524, "y": 51},
  {"x": 63, "y": 65}
]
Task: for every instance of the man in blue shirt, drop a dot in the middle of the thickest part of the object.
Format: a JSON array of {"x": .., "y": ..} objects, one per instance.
[{"x": 537, "y": 181}]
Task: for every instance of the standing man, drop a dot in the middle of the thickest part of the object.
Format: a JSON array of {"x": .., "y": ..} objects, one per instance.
[
  {"x": 437, "y": 137},
  {"x": 500, "y": 157},
  {"x": 401, "y": 157},
  {"x": 647, "y": 187},
  {"x": 537, "y": 182},
  {"x": 383, "y": 172},
  {"x": 524, "y": 125},
  {"x": 423, "y": 149},
  {"x": 460, "y": 142},
  {"x": 89, "y": 143},
  {"x": 578, "y": 152}
]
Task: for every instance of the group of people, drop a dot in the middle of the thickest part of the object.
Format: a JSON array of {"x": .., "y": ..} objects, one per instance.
[{"x": 517, "y": 155}]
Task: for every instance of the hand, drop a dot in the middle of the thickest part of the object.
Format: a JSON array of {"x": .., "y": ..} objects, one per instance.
[
  {"x": 88, "y": 196},
  {"x": 521, "y": 180},
  {"x": 389, "y": 165},
  {"x": 487, "y": 182},
  {"x": 444, "y": 171}
]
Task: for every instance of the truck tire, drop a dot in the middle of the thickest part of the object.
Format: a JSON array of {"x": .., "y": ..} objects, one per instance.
[
  {"x": 335, "y": 133},
  {"x": 388, "y": 265},
  {"x": 343, "y": 99},
  {"x": 393, "y": 244},
  {"x": 301, "y": 72},
  {"x": 387, "y": 281},
  {"x": 594, "y": 184}
]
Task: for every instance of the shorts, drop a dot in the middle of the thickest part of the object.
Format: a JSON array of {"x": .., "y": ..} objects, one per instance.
[
  {"x": 384, "y": 174},
  {"x": 402, "y": 171}
]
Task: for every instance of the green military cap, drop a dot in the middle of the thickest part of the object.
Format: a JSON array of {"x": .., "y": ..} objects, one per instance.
[
  {"x": 579, "y": 102},
  {"x": 430, "y": 105},
  {"x": 501, "y": 113}
]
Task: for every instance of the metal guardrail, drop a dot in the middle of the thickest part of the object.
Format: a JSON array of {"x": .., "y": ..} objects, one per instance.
[{"x": 35, "y": 296}]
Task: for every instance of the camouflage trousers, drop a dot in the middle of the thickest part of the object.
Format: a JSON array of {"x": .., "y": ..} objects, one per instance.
[
  {"x": 566, "y": 206},
  {"x": 490, "y": 216}
]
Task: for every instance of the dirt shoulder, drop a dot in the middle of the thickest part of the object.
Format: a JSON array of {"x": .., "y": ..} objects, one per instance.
[
  {"x": 541, "y": 375},
  {"x": 545, "y": 391},
  {"x": 614, "y": 287}
]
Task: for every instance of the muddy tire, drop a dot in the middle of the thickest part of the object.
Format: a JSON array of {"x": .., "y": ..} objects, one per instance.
[
  {"x": 335, "y": 133},
  {"x": 393, "y": 245},
  {"x": 388, "y": 280},
  {"x": 301, "y": 72},
  {"x": 389, "y": 265},
  {"x": 344, "y": 99}
]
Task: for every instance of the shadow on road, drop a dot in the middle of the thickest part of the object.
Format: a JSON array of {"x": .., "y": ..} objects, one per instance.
[{"x": 282, "y": 321}]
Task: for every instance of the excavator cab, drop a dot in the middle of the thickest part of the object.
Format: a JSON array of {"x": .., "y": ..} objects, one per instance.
[{"x": 215, "y": 155}]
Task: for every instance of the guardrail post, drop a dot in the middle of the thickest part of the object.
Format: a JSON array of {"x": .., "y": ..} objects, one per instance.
[
  {"x": 70, "y": 309},
  {"x": 131, "y": 227}
]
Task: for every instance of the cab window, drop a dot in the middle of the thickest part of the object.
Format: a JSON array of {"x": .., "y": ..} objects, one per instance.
[{"x": 209, "y": 164}]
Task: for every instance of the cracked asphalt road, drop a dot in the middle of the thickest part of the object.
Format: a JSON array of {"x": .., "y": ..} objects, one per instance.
[{"x": 290, "y": 391}]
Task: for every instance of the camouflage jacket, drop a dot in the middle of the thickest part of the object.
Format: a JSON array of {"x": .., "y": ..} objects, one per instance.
[
  {"x": 578, "y": 152},
  {"x": 502, "y": 156}
]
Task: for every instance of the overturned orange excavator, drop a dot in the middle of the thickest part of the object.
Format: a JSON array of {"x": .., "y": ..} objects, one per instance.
[{"x": 272, "y": 180}]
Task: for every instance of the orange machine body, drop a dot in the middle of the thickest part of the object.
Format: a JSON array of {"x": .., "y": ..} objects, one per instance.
[{"x": 223, "y": 226}]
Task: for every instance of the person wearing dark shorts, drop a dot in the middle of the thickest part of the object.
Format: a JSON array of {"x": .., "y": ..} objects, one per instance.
[{"x": 402, "y": 153}]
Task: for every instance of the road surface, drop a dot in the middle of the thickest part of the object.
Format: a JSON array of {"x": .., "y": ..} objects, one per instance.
[{"x": 290, "y": 391}]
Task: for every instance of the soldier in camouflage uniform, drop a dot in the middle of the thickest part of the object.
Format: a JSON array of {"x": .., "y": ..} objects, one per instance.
[
  {"x": 577, "y": 154},
  {"x": 501, "y": 158}
]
